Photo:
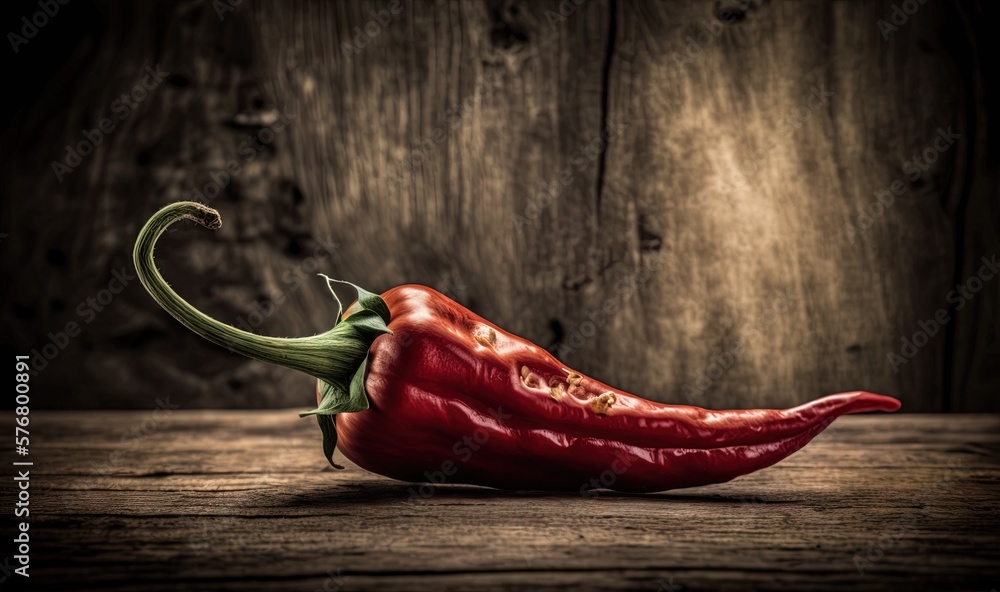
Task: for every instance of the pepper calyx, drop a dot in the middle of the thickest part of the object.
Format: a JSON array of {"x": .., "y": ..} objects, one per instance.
[
  {"x": 368, "y": 316},
  {"x": 334, "y": 399},
  {"x": 339, "y": 398}
]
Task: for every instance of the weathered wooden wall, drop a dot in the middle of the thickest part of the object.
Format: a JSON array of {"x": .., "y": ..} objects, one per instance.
[{"x": 658, "y": 191}]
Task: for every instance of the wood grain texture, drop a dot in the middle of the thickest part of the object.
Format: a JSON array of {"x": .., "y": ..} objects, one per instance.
[
  {"x": 429, "y": 146},
  {"x": 761, "y": 170},
  {"x": 69, "y": 237},
  {"x": 212, "y": 500},
  {"x": 656, "y": 191}
]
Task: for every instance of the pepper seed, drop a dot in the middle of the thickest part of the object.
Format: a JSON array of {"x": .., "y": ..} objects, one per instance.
[{"x": 602, "y": 402}]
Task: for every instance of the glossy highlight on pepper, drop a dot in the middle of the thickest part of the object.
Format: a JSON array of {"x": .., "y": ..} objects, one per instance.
[{"x": 412, "y": 386}]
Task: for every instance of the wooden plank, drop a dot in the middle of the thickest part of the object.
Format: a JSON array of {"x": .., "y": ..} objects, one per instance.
[{"x": 217, "y": 500}]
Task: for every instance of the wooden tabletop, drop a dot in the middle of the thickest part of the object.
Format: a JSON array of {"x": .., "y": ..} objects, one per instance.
[{"x": 244, "y": 500}]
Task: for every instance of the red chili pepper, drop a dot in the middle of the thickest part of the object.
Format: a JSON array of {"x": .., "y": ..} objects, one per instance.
[{"x": 418, "y": 388}]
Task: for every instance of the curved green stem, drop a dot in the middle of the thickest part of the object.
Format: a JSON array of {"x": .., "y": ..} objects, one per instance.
[{"x": 333, "y": 356}]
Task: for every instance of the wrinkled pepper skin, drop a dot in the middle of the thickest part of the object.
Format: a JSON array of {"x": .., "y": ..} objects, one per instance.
[{"x": 455, "y": 399}]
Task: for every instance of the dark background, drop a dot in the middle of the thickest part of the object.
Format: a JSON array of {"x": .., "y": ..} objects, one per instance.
[{"x": 683, "y": 143}]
